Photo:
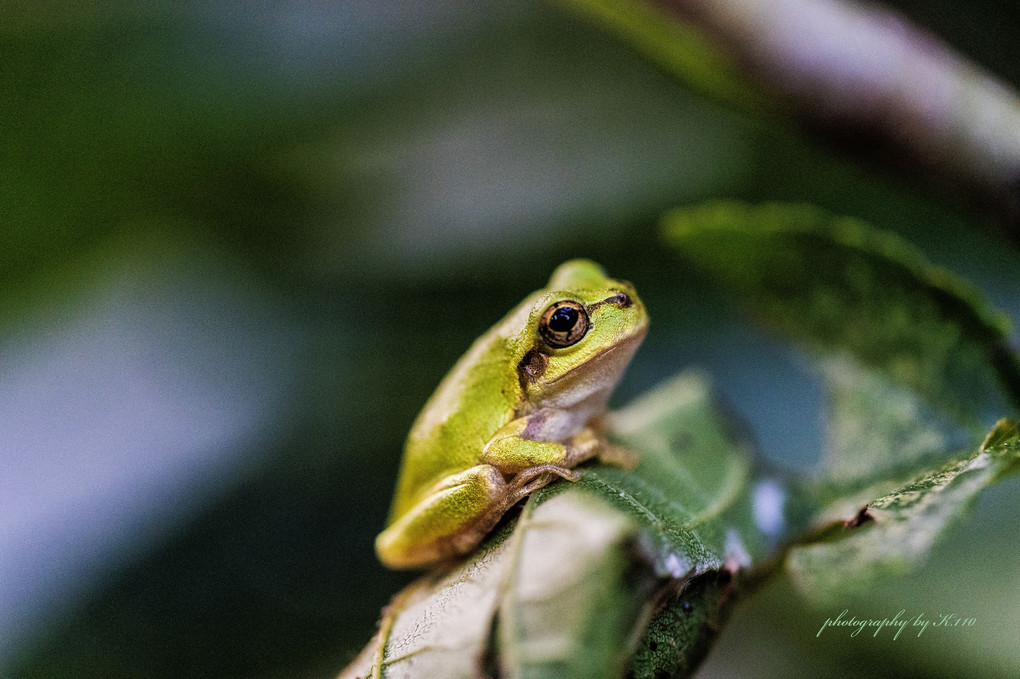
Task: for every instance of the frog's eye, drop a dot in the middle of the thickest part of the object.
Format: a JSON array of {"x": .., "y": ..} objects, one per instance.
[{"x": 564, "y": 323}]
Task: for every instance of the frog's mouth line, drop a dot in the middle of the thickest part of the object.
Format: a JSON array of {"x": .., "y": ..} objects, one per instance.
[
  {"x": 627, "y": 341},
  {"x": 596, "y": 357}
]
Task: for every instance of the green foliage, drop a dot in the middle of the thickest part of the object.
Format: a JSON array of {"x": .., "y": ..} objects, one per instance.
[{"x": 898, "y": 340}]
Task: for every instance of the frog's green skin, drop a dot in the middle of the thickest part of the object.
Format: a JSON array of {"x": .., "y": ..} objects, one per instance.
[{"x": 514, "y": 413}]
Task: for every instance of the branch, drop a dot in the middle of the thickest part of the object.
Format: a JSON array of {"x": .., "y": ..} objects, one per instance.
[{"x": 860, "y": 75}]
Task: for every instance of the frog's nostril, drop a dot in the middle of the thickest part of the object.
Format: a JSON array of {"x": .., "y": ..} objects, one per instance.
[{"x": 621, "y": 299}]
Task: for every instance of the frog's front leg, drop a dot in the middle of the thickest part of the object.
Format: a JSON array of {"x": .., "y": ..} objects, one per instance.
[{"x": 545, "y": 437}]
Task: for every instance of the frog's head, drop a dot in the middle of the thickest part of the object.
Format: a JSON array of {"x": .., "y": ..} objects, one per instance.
[{"x": 582, "y": 331}]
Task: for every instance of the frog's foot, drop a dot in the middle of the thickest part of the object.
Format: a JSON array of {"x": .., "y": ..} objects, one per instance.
[
  {"x": 520, "y": 486},
  {"x": 531, "y": 479}
]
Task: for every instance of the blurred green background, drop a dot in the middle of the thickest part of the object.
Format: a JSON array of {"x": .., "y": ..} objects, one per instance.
[{"x": 242, "y": 242}]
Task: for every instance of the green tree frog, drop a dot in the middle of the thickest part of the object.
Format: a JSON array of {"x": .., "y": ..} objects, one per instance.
[{"x": 522, "y": 407}]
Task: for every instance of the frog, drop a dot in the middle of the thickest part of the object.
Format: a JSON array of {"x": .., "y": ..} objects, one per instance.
[{"x": 523, "y": 407}]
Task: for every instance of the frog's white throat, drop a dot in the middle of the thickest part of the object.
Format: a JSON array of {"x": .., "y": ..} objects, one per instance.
[{"x": 586, "y": 387}]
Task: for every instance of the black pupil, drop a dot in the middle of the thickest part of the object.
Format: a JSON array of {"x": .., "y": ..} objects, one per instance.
[{"x": 563, "y": 319}]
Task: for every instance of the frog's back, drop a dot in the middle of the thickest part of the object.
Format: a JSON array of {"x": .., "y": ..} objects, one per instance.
[{"x": 478, "y": 396}]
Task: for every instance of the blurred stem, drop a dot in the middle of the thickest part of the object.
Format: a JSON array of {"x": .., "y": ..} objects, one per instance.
[
  {"x": 860, "y": 75},
  {"x": 683, "y": 47}
]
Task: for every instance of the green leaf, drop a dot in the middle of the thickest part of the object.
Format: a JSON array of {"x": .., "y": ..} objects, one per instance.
[
  {"x": 570, "y": 591},
  {"x": 576, "y": 593},
  {"x": 848, "y": 288},
  {"x": 690, "y": 489},
  {"x": 876, "y": 426},
  {"x": 564, "y": 592},
  {"x": 680, "y": 635},
  {"x": 439, "y": 625},
  {"x": 889, "y": 526}
]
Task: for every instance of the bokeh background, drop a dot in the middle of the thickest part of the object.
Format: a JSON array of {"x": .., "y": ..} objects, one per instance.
[{"x": 240, "y": 243}]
